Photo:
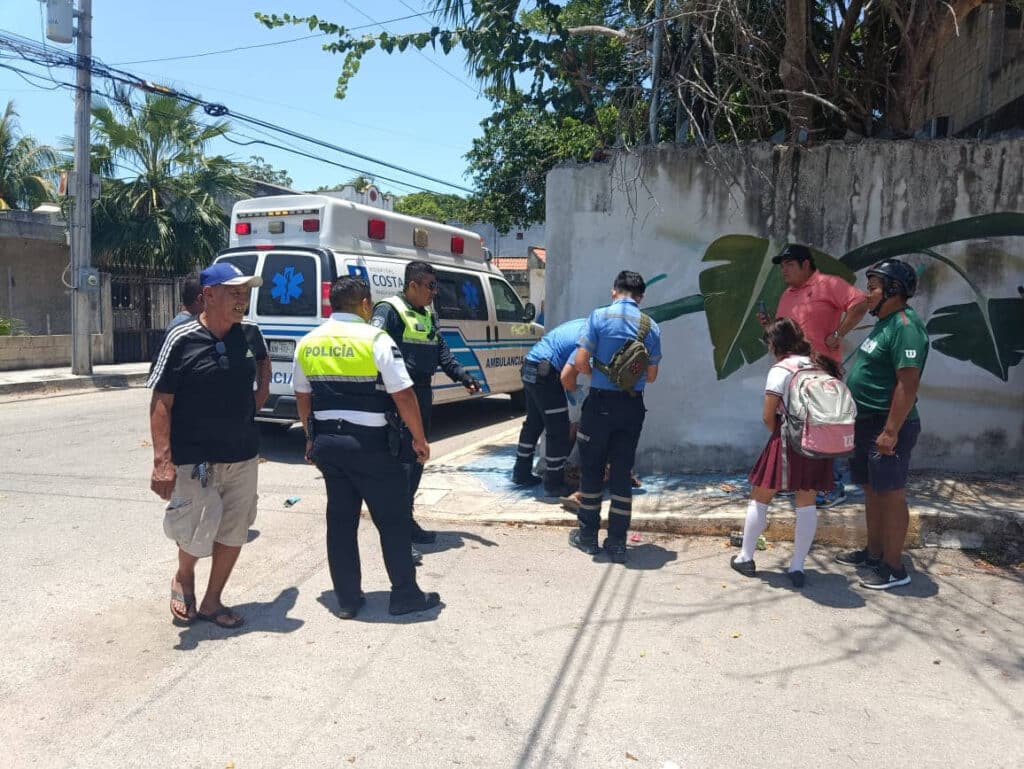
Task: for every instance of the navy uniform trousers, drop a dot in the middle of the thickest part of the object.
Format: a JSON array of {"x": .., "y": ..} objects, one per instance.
[
  {"x": 546, "y": 411},
  {"x": 357, "y": 466},
  {"x": 608, "y": 434}
]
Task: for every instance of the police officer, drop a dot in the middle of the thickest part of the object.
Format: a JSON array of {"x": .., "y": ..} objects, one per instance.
[
  {"x": 547, "y": 410},
  {"x": 349, "y": 377},
  {"x": 414, "y": 328},
  {"x": 612, "y": 418}
]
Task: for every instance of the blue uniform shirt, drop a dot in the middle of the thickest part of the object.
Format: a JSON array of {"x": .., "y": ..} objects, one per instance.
[
  {"x": 559, "y": 344},
  {"x": 608, "y": 328}
]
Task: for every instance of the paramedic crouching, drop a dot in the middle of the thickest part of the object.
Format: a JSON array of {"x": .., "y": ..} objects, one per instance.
[
  {"x": 349, "y": 378},
  {"x": 613, "y": 413}
]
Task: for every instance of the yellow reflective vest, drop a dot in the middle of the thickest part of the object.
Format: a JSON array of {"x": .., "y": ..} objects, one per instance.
[{"x": 337, "y": 359}]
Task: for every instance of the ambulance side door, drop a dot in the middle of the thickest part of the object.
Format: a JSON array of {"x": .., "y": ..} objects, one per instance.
[
  {"x": 512, "y": 335},
  {"x": 464, "y": 315}
]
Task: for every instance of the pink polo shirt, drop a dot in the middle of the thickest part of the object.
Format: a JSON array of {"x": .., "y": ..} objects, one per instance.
[{"x": 818, "y": 306}]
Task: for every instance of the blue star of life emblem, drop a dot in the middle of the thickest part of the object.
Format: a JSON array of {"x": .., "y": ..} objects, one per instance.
[{"x": 287, "y": 285}]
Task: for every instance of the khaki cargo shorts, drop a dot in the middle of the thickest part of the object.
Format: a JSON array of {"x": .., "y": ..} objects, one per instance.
[{"x": 196, "y": 517}]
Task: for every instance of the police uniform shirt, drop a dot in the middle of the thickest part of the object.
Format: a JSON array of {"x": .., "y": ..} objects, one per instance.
[
  {"x": 387, "y": 318},
  {"x": 608, "y": 328},
  {"x": 385, "y": 355},
  {"x": 558, "y": 345}
]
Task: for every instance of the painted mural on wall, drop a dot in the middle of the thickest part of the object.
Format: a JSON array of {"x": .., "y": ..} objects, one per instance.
[{"x": 986, "y": 331}]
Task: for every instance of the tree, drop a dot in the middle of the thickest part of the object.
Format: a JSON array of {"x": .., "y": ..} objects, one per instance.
[
  {"x": 358, "y": 183},
  {"x": 435, "y": 206},
  {"x": 260, "y": 170},
  {"x": 27, "y": 169},
  {"x": 160, "y": 207}
]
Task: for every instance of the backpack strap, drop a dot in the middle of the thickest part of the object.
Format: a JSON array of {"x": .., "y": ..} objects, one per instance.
[{"x": 641, "y": 334}]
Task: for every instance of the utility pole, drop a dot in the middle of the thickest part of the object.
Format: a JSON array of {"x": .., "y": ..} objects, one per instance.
[{"x": 84, "y": 280}]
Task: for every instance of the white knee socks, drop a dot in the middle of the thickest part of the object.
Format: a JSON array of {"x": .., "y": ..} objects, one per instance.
[
  {"x": 757, "y": 519},
  {"x": 806, "y": 524}
]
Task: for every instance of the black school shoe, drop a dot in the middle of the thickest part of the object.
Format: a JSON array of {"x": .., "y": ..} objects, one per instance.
[
  {"x": 885, "y": 578},
  {"x": 408, "y": 606},
  {"x": 584, "y": 540},
  {"x": 746, "y": 568},
  {"x": 421, "y": 536},
  {"x": 797, "y": 578}
]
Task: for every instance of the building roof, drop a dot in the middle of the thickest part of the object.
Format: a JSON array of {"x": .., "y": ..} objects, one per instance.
[
  {"x": 540, "y": 253},
  {"x": 504, "y": 263}
]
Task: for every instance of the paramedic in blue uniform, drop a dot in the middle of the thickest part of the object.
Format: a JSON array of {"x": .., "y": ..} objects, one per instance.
[
  {"x": 349, "y": 377},
  {"x": 413, "y": 326},
  {"x": 612, "y": 418},
  {"x": 547, "y": 408}
]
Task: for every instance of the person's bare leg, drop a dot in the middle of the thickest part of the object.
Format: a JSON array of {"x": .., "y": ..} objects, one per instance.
[
  {"x": 184, "y": 581},
  {"x": 895, "y": 514},
  {"x": 223, "y": 561},
  {"x": 873, "y": 516}
]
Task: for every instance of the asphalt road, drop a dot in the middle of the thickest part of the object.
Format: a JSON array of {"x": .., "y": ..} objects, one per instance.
[{"x": 539, "y": 658}]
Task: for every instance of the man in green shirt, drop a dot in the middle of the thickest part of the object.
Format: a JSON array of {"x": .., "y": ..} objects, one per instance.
[{"x": 884, "y": 382}]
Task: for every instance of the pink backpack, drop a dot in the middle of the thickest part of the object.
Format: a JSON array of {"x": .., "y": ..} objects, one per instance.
[{"x": 818, "y": 414}]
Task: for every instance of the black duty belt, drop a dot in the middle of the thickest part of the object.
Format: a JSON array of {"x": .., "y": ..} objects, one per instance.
[{"x": 616, "y": 394}]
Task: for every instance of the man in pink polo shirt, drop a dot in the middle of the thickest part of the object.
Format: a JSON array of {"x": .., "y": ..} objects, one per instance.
[{"x": 827, "y": 309}]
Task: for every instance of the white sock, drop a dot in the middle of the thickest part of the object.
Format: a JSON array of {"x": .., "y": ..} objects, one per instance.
[
  {"x": 757, "y": 519},
  {"x": 806, "y": 525}
]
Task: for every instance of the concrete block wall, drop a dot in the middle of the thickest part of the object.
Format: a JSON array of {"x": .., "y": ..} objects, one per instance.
[{"x": 28, "y": 352}]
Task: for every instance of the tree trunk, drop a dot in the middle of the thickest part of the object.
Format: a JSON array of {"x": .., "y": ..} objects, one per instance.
[
  {"x": 793, "y": 71},
  {"x": 926, "y": 34}
]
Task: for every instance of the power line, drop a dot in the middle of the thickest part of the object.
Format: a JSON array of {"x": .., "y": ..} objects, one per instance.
[{"x": 30, "y": 51}]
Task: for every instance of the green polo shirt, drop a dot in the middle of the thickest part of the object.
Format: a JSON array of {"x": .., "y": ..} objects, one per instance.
[{"x": 898, "y": 341}]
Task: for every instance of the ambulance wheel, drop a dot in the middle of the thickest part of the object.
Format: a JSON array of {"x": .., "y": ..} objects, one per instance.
[{"x": 518, "y": 399}]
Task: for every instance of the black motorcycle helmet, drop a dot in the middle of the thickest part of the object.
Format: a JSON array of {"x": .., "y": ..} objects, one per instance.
[{"x": 898, "y": 279}]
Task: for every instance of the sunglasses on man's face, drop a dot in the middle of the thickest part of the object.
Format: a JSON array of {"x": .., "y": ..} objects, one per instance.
[{"x": 431, "y": 286}]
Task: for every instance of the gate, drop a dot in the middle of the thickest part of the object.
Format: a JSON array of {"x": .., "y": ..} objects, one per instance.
[{"x": 142, "y": 308}]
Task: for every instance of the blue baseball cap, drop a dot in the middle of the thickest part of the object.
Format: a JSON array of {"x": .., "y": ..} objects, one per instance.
[{"x": 227, "y": 274}]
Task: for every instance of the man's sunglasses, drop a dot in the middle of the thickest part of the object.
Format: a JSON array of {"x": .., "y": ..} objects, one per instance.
[{"x": 431, "y": 286}]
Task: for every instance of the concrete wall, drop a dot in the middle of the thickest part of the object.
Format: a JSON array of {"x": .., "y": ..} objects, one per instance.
[
  {"x": 658, "y": 212},
  {"x": 27, "y": 352},
  {"x": 515, "y": 242}
]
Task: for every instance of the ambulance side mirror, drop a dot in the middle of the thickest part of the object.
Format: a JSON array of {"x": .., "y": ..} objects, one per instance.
[{"x": 529, "y": 312}]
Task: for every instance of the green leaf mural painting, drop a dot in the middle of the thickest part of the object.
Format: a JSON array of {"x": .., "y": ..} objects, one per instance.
[{"x": 988, "y": 331}]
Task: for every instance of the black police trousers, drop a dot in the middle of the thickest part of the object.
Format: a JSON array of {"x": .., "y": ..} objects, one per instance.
[
  {"x": 414, "y": 471},
  {"x": 608, "y": 434},
  {"x": 546, "y": 411},
  {"x": 357, "y": 466}
]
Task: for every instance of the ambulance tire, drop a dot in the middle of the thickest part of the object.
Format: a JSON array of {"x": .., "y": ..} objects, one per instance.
[{"x": 518, "y": 399}]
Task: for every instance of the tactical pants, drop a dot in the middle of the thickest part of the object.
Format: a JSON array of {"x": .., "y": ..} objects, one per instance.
[
  {"x": 414, "y": 471},
  {"x": 546, "y": 411},
  {"x": 608, "y": 434},
  {"x": 356, "y": 466}
]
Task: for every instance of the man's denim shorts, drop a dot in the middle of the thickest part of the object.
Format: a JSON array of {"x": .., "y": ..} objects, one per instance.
[{"x": 883, "y": 472}]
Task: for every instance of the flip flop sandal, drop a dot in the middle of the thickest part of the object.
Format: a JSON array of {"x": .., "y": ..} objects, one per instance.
[
  {"x": 223, "y": 611},
  {"x": 190, "y": 604}
]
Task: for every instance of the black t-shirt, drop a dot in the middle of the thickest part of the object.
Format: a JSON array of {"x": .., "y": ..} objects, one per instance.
[{"x": 212, "y": 419}]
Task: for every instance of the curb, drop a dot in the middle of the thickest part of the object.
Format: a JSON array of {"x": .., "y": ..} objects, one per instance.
[{"x": 74, "y": 384}]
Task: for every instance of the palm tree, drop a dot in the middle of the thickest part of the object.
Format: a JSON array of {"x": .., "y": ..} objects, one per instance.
[
  {"x": 159, "y": 209},
  {"x": 26, "y": 168}
]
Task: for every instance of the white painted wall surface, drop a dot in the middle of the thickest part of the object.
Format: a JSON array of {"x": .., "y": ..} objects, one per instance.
[{"x": 658, "y": 212}]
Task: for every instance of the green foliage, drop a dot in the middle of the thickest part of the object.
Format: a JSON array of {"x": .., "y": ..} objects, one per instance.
[
  {"x": 160, "y": 206},
  {"x": 731, "y": 292},
  {"x": 27, "y": 169},
  {"x": 11, "y": 327},
  {"x": 992, "y": 340},
  {"x": 435, "y": 206},
  {"x": 260, "y": 170}
]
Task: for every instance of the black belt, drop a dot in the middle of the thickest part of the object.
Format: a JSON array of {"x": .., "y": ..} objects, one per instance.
[
  {"x": 341, "y": 427},
  {"x": 601, "y": 393},
  {"x": 551, "y": 370}
]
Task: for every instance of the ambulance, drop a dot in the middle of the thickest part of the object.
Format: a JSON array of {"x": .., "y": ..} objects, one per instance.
[{"x": 300, "y": 244}]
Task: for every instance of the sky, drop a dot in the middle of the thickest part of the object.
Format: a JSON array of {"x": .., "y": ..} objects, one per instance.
[{"x": 417, "y": 111}]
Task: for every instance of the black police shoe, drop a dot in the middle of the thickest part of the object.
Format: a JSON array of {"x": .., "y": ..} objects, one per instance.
[
  {"x": 408, "y": 606},
  {"x": 557, "y": 492},
  {"x": 528, "y": 479},
  {"x": 350, "y": 612},
  {"x": 421, "y": 536},
  {"x": 417, "y": 557},
  {"x": 584, "y": 540},
  {"x": 616, "y": 550}
]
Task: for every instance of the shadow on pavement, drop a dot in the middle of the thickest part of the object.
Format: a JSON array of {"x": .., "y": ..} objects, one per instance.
[
  {"x": 833, "y": 590},
  {"x": 269, "y": 617},
  {"x": 251, "y": 535},
  {"x": 279, "y": 443},
  {"x": 376, "y": 609},
  {"x": 453, "y": 540}
]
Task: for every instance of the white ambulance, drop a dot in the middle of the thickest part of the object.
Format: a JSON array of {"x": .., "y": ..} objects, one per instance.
[{"x": 300, "y": 244}]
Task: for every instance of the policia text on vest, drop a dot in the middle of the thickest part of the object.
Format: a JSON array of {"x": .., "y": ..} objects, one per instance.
[{"x": 349, "y": 379}]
